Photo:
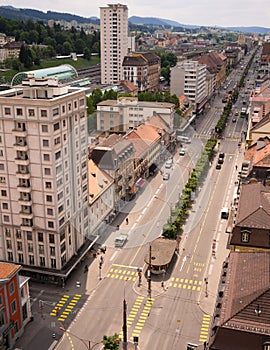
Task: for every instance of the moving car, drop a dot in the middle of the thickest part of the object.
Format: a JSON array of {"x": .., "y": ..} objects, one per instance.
[
  {"x": 120, "y": 240},
  {"x": 234, "y": 120},
  {"x": 221, "y": 155},
  {"x": 168, "y": 164},
  {"x": 183, "y": 139},
  {"x": 220, "y": 160},
  {"x": 166, "y": 176},
  {"x": 182, "y": 152},
  {"x": 218, "y": 166}
]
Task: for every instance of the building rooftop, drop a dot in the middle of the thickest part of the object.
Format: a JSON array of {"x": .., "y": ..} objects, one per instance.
[{"x": 7, "y": 270}]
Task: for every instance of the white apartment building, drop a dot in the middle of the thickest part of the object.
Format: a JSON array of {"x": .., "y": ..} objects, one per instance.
[
  {"x": 127, "y": 113},
  {"x": 189, "y": 78},
  {"x": 43, "y": 177},
  {"x": 113, "y": 41}
]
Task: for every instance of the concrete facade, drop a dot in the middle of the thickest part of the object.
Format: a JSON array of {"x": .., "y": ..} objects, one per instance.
[
  {"x": 113, "y": 41},
  {"x": 43, "y": 175}
]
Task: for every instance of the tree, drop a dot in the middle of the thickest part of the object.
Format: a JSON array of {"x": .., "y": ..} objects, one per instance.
[
  {"x": 26, "y": 56},
  {"x": 111, "y": 342}
]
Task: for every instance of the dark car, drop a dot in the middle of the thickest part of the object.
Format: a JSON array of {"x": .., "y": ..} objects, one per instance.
[
  {"x": 218, "y": 166},
  {"x": 221, "y": 155},
  {"x": 234, "y": 120},
  {"x": 220, "y": 160}
]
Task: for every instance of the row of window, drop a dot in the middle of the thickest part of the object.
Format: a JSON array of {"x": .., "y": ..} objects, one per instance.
[{"x": 43, "y": 112}]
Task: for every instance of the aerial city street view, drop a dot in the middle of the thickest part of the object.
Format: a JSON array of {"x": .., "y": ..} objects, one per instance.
[{"x": 134, "y": 176}]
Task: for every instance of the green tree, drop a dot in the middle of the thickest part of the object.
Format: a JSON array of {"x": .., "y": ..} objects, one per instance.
[
  {"x": 111, "y": 342},
  {"x": 67, "y": 48}
]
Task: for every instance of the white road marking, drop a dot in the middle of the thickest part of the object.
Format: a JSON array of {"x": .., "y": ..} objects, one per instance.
[
  {"x": 113, "y": 256},
  {"x": 183, "y": 262}
]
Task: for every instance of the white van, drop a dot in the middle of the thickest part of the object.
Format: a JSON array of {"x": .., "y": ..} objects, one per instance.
[{"x": 183, "y": 139}]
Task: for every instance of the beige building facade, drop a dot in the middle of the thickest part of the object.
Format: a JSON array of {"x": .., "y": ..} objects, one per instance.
[{"x": 43, "y": 176}]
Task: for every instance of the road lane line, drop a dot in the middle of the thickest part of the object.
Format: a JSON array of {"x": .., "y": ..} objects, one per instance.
[{"x": 114, "y": 255}]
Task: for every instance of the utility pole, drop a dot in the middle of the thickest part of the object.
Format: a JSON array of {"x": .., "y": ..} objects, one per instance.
[
  {"x": 124, "y": 325},
  {"x": 149, "y": 272}
]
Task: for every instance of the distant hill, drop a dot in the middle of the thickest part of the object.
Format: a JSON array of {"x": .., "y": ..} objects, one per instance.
[
  {"x": 158, "y": 21},
  {"x": 36, "y": 15},
  {"x": 260, "y": 30}
]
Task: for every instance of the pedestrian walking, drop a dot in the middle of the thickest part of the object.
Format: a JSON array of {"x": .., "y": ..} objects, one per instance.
[
  {"x": 236, "y": 167},
  {"x": 127, "y": 221}
]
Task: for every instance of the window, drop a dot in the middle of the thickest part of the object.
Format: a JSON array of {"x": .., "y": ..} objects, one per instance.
[
  {"x": 45, "y": 143},
  {"x": 19, "y": 111},
  {"x": 47, "y": 171},
  {"x": 2, "y": 166},
  {"x": 49, "y": 211},
  {"x": 57, "y": 140},
  {"x": 44, "y": 128},
  {"x": 7, "y": 111},
  {"x": 42, "y": 261},
  {"x": 53, "y": 263},
  {"x": 55, "y": 111},
  {"x": 11, "y": 288},
  {"x": 52, "y": 251},
  {"x": 60, "y": 196},
  {"x": 31, "y": 112},
  {"x": 19, "y": 245},
  {"x": 40, "y": 236},
  {"x": 1, "y": 153},
  {"x": 43, "y": 113},
  {"x": 18, "y": 234},
  {"x": 51, "y": 238},
  {"x": 6, "y": 218},
  {"x": 10, "y": 256},
  {"x": 48, "y": 184},
  {"x": 60, "y": 209},
  {"x": 46, "y": 158},
  {"x": 56, "y": 126},
  {"x": 3, "y": 193},
  {"x": 61, "y": 221},
  {"x": 57, "y": 155},
  {"x": 31, "y": 260},
  {"x": 20, "y": 257},
  {"x": 13, "y": 307},
  {"x": 5, "y": 205},
  {"x": 29, "y": 236},
  {"x": 50, "y": 224},
  {"x": 245, "y": 236},
  {"x": 9, "y": 245}
]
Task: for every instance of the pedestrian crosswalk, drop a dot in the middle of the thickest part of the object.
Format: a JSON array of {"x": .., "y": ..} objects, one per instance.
[
  {"x": 205, "y": 328},
  {"x": 185, "y": 283},
  {"x": 122, "y": 274},
  {"x": 138, "y": 316},
  {"x": 65, "y": 306}
]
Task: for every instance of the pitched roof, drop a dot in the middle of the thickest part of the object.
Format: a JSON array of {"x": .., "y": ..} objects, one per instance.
[
  {"x": 139, "y": 145},
  {"x": 8, "y": 270},
  {"x": 98, "y": 181},
  {"x": 247, "y": 285},
  {"x": 147, "y": 133},
  {"x": 134, "y": 61},
  {"x": 256, "y": 212}
]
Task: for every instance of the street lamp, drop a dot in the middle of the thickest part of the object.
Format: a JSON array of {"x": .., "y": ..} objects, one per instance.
[{"x": 87, "y": 343}]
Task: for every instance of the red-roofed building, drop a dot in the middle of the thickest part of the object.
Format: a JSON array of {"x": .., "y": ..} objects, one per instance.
[{"x": 15, "y": 310}]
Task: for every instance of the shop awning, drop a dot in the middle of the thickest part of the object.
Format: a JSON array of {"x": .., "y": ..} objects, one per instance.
[{"x": 140, "y": 182}]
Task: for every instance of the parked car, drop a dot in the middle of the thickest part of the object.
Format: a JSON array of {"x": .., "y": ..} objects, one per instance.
[
  {"x": 221, "y": 155},
  {"x": 218, "y": 166},
  {"x": 234, "y": 120},
  {"x": 166, "y": 176}
]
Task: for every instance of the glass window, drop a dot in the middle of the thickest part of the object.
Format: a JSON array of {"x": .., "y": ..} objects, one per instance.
[
  {"x": 13, "y": 307},
  {"x": 44, "y": 128},
  {"x": 11, "y": 288}
]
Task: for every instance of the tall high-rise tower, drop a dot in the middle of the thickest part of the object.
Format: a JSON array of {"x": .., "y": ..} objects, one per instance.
[{"x": 113, "y": 41}]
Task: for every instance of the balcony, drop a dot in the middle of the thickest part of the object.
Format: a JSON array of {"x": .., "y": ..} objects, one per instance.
[
  {"x": 25, "y": 200},
  {"x": 25, "y": 188},
  {"x": 20, "y": 132},
  {"x": 21, "y": 146},
  {"x": 25, "y": 215},
  {"x": 22, "y": 160}
]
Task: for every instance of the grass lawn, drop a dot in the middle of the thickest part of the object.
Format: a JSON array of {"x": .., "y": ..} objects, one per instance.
[{"x": 6, "y": 76}]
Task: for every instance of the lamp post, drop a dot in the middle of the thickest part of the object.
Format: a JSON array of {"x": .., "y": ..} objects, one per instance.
[{"x": 87, "y": 343}]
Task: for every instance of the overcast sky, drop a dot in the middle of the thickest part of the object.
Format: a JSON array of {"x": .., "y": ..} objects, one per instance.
[{"x": 200, "y": 12}]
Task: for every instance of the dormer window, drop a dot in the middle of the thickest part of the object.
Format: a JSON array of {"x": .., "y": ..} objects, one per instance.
[{"x": 245, "y": 236}]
